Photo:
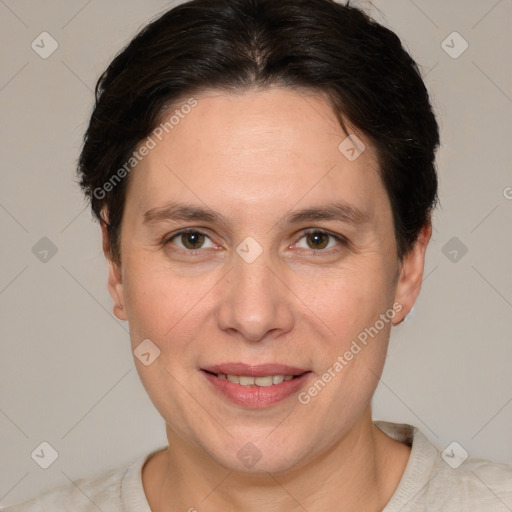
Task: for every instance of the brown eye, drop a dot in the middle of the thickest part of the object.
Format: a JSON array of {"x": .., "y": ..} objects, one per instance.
[
  {"x": 317, "y": 240},
  {"x": 192, "y": 240}
]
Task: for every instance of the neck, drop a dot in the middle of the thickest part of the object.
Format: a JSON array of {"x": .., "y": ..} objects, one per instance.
[{"x": 360, "y": 472}]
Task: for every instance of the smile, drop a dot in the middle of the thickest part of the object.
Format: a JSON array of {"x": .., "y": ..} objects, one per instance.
[{"x": 255, "y": 387}]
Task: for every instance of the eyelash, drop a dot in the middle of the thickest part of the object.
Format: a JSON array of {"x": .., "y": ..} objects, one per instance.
[{"x": 191, "y": 252}]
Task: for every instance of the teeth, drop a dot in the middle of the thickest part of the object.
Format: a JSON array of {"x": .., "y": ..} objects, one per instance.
[
  {"x": 264, "y": 381},
  {"x": 245, "y": 380}
]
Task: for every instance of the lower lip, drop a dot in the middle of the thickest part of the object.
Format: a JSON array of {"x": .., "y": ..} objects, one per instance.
[{"x": 257, "y": 397}]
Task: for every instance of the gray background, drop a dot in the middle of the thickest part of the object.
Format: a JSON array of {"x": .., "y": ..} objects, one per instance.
[{"x": 66, "y": 373}]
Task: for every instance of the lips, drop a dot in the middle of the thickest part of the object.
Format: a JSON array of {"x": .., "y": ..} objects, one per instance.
[{"x": 249, "y": 386}]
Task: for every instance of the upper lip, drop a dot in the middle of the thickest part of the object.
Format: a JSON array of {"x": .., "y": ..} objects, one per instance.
[{"x": 260, "y": 370}]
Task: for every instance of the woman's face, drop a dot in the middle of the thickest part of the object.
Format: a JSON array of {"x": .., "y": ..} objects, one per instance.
[{"x": 289, "y": 268}]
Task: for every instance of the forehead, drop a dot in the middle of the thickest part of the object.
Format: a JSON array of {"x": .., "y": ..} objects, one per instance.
[
  {"x": 274, "y": 121},
  {"x": 256, "y": 149}
]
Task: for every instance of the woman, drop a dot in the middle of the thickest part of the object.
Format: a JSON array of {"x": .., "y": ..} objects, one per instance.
[{"x": 264, "y": 176}]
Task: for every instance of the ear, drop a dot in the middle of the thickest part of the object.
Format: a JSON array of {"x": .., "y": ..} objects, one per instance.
[
  {"x": 115, "y": 280},
  {"x": 411, "y": 274}
]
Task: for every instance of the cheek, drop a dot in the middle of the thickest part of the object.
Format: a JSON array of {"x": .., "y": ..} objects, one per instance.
[
  {"x": 354, "y": 352},
  {"x": 351, "y": 299},
  {"x": 165, "y": 305},
  {"x": 166, "y": 309},
  {"x": 341, "y": 300}
]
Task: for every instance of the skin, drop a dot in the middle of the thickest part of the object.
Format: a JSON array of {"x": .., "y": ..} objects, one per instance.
[{"x": 255, "y": 157}]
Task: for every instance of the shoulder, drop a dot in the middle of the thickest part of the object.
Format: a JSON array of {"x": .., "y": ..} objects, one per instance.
[
  {"x": 116, "y": 490},
  {"x": 448, "y": 481},
  {"x": 86, "y": 494},
  {"x": 81, "y": 495},
  {"x": 483, "y": 484}
]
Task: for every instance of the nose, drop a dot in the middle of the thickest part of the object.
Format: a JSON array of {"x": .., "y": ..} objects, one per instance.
[{"x": 256, "y": 303}]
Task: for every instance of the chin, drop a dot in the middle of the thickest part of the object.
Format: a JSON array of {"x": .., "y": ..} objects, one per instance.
[{"x": 260, "y": 457}]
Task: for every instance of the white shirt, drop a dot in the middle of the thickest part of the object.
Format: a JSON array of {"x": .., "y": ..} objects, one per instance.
[{"x": 429, "y": 484}]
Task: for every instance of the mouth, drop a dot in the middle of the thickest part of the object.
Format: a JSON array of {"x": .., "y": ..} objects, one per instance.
[{"x": 255, "y": 386}]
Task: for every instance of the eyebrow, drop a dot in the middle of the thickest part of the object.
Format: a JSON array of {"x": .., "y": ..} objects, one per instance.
[
  {"x": 332, "y": 211},
  {"x": 181, "y": 211},
  {"x": 338, "y": 211}
]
